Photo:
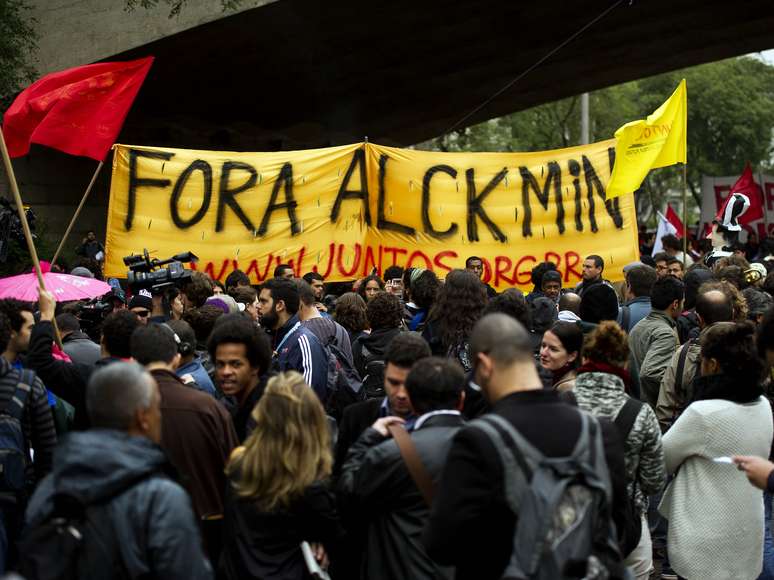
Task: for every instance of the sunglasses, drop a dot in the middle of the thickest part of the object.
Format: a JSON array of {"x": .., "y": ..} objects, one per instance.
[{"x": 143, "y": 313}]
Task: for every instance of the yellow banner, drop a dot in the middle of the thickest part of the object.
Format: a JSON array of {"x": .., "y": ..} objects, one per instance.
[{"x": 342, "y": 211}]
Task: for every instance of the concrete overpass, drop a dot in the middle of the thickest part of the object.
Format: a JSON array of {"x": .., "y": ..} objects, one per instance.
[{"x": 287, "y": 74}]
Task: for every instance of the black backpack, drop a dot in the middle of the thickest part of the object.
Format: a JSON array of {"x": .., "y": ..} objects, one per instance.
[
  {"x": 13, "y": 450},
  {"x": 373, "y": 380},
  {"x": 344, "y": 385}
]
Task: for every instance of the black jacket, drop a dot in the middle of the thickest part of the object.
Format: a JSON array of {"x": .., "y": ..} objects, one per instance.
[
  {"x": 376, "y": 343},
  {"x": 266, "y": 545},
  {"x": 357, "y": 418},
  {"x": 376, "y": 481},
  {"x": 141, "y": 520},
  {"x": 471, "y": 525}
]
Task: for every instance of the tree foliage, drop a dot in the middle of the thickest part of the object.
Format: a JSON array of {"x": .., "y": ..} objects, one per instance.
[
  {"x": 18, "y": 43},
  {"x": 175, "y": 6}
]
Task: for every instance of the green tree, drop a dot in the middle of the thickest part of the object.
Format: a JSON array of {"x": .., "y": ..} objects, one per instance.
[{"x": 18, "y": 43}]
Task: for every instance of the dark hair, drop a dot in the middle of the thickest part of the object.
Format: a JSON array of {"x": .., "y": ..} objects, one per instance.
[
  {"x": 665, "y": 291},
  {"x": 384, "y": 311},
  {"x": 243, "y": 294},
  {"x": 435, "y": 383},
  {"x": 768, "y": 283},
  {"x": 470, "y": 259},
  {"x": 219, "y": 284},
  {"x": 571, "y": 337},
  {"x": 607, "y": 343},
  {"x": 539, "y": 271},
  {"x": 732, "y": 345},
  {"x": 309, "y": 277},
  {"x": 671, "y": 241},
  {"x": 13, "y": 308},
  {"x": 672, "y": 260},
  {"x": 733, "y": 275},
  {"x": 184, "y": 332},
  {"x": 393, "y": 272},
  {"x": 598, "y": 261},
  {"x": 758, "y": 302},
  {"x": 305, "y": 293},
  {"x": 153, "y": 343},
  {"x": 68, "y": 323},
  {"x": 362, "y": 288},
  {"x": 660, "y": 257},
  {"x": 202, "y": 320},
  {"x": 198, "y": 289},
  {"x": 599, "y": 302},
  {"x": 711, "y": 310},
  {"x": 544, "y": 314},
  {"x": 406, "y": 349},
  {"x": 458, "y": 306},
  {"x": 236, "y": 329},
  {"x": 281, "y": 268},
  {"x": 5, "y": 332},
  {"x": 765, "y": 335},
  {"x": 694, "y": 278},
  {"x": 425, "y": 288},
  {"x": 512, "y": 303},
  {"x": 117, "y": 329},
  {"x": 641, "y": 279},
  {"x": 237, "y": 278},
  {"x": 285, "y": 290},
  {"x": 351, "y": 312}
]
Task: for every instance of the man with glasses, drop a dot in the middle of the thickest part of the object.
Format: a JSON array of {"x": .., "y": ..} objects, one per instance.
[{"x": 142, "y": 306}]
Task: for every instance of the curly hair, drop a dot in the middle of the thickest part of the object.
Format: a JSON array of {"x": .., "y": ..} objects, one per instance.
[
  {"x": 198, "y": 289},
  {"x": 361, "y": 290},
  {"x": 458, "y": 306},
  {"x": 351, "y": 312},
  {"x": 425, "y": 288},
  {"x": 733, "y": 346},
  {"x": 384, "y": 311},
  {"x": 607, "y": 342},
  {"x": 13, "y": 308},
  {"x": 512, "y": 303},
  {"x": 737, "y": 299},
  {"x": 202, "y": 320}
]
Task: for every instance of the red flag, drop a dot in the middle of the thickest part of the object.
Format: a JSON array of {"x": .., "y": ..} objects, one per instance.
[
  {"x": 79, "y": 111},
  {"x": 674, "y": 219},
  {"x": 746, "y": 185}
]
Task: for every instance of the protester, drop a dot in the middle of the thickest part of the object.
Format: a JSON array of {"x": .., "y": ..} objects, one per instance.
[
  {"x": 385, "y": 316},
  {"x": 639, "y": 285},
  {"x": 369, "y": 287},
  {"x": 26, "y": 412},
  {"x": 662, "y": 268},
  {"x": 715, "y": 517},
  {"x": 593, "y": 267},
  {"x": 351, "y": 314},
  {"x": 569, "y": 307},
  {"x": 687, "y": 322},
  {"x": 277, "y": 495},
  {"x": 448, "y": 335},
  {"x": 402, "y": 353},
  {"x": 218, "y": 287},
  {"x": 195, "y": 292},
  {"x": 560, "y": 353},
  {"x": 295, "y": 346},
  {"x": 424, "y": 288},
  {"x": 190, "y": 370},
  {"x": 536, "y": 277},
  {"x": 393, "y": 280},
  {"x": 599, "y": 302},
  {"x": 544, "y": 315},
  {"x": 376, "y": 480},
  {"x": 142, "y": 306},
  {"x": 758, "y": 304},
  {"x": 284, "y": 271},
  {"x": 248, "y": 298},
  {"x": 653, "y": 340},
  {"x": 140, "y": 523},
  {"x": 236, "y": 279},
  {"x": 673, "y": 247},
  {"x": 197, "y": 433},
  {"x": 675, "y": 268},
  {"x": 91, "y": 248},
  {"x": 552, "y": 285},
  {"x": 327, "y": 331},
  {"x": 75, "y": 343},
  {"x": 317, "y": 282},
  {"x": 472, "y": 526},
  {"x": 601, "y": 389},
  {"x": 676, "y": 388},
  {"x": 476, "y": 265},
  {"x": 20, "y": 316},
  {"x": 242, "y": 358}
]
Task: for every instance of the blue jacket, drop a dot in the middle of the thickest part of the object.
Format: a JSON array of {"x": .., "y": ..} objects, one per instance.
[
  {"x": 199, "y": 374},
  {"x": 297, "y": 349}
]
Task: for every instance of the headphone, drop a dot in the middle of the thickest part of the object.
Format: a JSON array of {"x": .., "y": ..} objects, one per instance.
[{"x": 184, "y": 348}]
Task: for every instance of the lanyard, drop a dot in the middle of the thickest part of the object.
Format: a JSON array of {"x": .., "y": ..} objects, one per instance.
[{"x": 284, "y": 338}]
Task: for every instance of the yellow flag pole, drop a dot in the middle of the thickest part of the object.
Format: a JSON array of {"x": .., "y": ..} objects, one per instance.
[
  {"x": 25, "y": 226},
  {"x": 77, "y": 213},
  {"x": 685, "y": 214}
]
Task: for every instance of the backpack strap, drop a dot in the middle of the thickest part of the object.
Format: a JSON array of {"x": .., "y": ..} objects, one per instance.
[
  {"x": 416, "y": 468},
  {"x": 626, "y": 316},
  {"x": 626, "y": 417},
  {"x": 18, "y": 401}
]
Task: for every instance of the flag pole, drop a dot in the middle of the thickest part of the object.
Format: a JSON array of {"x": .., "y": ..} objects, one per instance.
[
  {"x": 77, "y": 213},
  {"x": 685, "y": 212},
  {"x": 25, "y": 226}
]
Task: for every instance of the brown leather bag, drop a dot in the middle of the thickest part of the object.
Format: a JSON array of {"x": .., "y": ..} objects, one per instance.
[{"x": 416, "y": 468}]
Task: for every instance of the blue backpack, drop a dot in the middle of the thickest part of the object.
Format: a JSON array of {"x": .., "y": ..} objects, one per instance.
[{"x": 13, "y": 451}]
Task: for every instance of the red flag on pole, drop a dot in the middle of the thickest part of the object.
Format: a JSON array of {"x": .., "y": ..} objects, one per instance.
[
  {"x": 79, "y": 111},
  {"x": 746, "y": 185},
  {"x": 674, "y": 219}
]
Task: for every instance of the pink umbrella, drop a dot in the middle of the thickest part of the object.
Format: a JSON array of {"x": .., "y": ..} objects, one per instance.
[{"x": 64, "y": 287}]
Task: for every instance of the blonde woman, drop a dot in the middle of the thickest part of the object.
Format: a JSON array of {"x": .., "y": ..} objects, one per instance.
[{"x": 278, "y": 495}]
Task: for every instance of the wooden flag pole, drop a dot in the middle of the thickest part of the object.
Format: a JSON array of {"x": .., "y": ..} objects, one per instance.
[
  {"x": 25, "y": 226},
  {"x": 77, "y": 213},
  {"x": 685, "y": 214}
]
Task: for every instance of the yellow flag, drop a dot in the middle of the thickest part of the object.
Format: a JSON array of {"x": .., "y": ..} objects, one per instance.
[{"x": 658, "y": 141}]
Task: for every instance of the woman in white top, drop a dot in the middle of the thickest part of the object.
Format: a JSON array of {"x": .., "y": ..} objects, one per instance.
[{"x": 715, "y": 516}]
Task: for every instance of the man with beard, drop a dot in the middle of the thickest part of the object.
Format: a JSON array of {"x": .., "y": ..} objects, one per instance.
[{"x": 295, "y": 347}]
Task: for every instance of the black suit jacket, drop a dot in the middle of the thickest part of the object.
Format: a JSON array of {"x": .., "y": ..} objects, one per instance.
[{"x": 357, "y": 418}]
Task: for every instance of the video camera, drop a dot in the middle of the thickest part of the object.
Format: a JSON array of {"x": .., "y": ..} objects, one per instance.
[{"x": 148, "y": 273}]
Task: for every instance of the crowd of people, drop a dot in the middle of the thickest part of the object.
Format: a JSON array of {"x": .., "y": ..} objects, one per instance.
[{"x": 398, "y": 427}]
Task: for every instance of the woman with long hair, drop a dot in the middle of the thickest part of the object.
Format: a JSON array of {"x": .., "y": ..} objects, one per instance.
[
  {"x": 560, "y": 353},
  {"x": 278, "y": 495},
  {"x": 458, "y": 306},
  {"x": 423, "y": 288},
  {"x": 715, "y": 516},
  {"x": 601, "y": 389},
  {"x": 369, "y": 287},
  {"x": 350, "y": 312}
]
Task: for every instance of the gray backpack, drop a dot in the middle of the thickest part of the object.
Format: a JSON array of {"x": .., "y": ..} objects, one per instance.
[{"x": 563, "y": 505}]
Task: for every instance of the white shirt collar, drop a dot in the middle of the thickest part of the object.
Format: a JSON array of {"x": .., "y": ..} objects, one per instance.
[{"x": 419, "y": 422}]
